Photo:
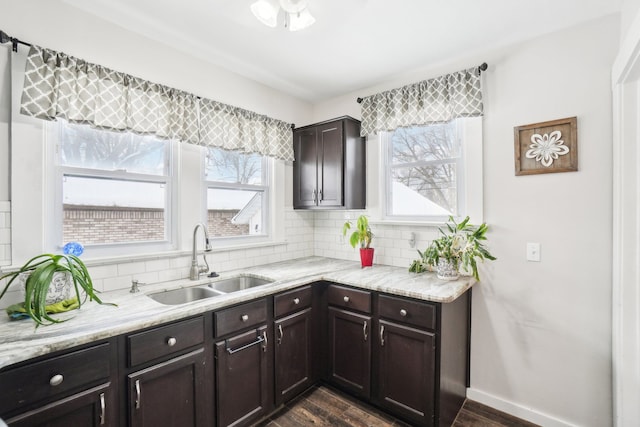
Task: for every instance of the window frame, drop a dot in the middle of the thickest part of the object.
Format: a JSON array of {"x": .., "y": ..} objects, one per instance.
[
  {"x": 54, "y": 236},
  {"x": 267, "y": 179},
  {"x": 469, "y": 175}
]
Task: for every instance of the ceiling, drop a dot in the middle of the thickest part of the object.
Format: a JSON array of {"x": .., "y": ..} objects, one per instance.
[{"x": 354, "y": 44}]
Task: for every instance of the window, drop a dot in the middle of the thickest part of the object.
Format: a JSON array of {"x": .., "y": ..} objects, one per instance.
[
  {"x": 428, "y": 170},
  {"x": 237, "y": 186},
  {"x": 113, "y": 188}
]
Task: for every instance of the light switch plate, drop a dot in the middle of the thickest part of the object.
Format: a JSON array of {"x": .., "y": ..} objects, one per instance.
[{"x": 533, "y": 252}]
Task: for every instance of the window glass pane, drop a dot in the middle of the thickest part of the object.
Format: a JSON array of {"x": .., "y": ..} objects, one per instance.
[
  {"x": 422, "y": 175},
  {"x": 424, "y": 143},
  {"x": 82, "y": 146},
  {"x": 233, "y": 213},
  {"x": 424, "y": 191},
  {"x": 98, "y": 210},
  {"x": 233, "y": 167}
]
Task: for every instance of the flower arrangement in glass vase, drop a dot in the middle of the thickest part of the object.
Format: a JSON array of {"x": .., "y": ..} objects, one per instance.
[{"x": 457, "y": 249}]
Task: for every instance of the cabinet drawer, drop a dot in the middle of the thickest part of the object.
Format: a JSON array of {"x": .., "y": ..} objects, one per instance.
[
  {"x": 349, "y": 298},
  {"x": 164, "y": 340},
  {"x": 288, "y": 302},
  {"x": 416, "y": 313},
  {"x": 55, "y": 377},
  {"x": 240, "y": 317}
]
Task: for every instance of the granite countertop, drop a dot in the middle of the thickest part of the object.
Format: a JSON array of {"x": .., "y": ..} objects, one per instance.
[{"x": 20, "y": 341}]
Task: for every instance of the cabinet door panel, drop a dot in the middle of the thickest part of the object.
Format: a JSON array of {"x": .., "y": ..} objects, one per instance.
[
  {"x": 305, "y": 180},
  {"x": 293, "y": 353},
  {"x": 406, "y": 371},
  {"x": 330, "y": 168},
  {"x": 94, "y": 407},
  {"x": 350, "y": 351},
  {"x": 241, "y": 378},
  {"x": 169, "y": 393}
]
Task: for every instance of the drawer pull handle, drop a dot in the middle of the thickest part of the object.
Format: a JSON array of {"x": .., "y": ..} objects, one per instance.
[
  {"x": 364, "y": 330},
  {"x": 296, "y": 301},
  {"x": 346, "y": 299},
  {"x": 259, "y": 340},
  {"x": 382, "y": 335},
  {"x": 56, "y": 380},
  {"x": 103, "y": 409},
  {"x": 403, "y": 313},
  {"x": 138, "y": 394},
  {"x": 244, "y": 317},
  {"x": 171, "y": 341},
  {"x": 265, "y": 342},
  {"x": 280, "y": 334}
]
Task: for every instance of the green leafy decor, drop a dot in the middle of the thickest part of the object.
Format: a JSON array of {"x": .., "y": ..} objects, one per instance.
[
  {"x": 462, "y": 244},
  {"x": 361, "y": 235},
  {"x": 40, "y": 270}
]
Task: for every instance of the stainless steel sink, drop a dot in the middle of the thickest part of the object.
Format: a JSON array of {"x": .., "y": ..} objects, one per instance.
[
  {"x": 235, "y": 284},
  {"x": 184, "y": 295},
  {"x": 213, "y": 289}
]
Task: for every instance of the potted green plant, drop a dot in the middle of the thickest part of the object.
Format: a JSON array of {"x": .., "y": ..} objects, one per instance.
[
  {"x": 361, "y": 236},
  {"x": 459, "y": 248},
  {"x": 47, "y": 278}
]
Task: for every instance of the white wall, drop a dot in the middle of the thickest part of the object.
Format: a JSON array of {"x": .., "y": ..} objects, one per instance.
[
  {"x": 628, "y": 12},
  {"x": 541, "y": 332}
]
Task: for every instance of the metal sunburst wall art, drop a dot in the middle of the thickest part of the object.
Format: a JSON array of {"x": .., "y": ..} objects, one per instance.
[{"x": 546, "y": 147}]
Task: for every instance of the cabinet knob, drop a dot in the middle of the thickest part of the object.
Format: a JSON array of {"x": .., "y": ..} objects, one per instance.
[
  {"x": 296, "y": 301},
  {"x": 403, "y": 313},
  {"x": 171, "y": 341},
  {"x": 56, "y": 380},
  {"x": 346, "y": 299},
  {"x": 244, "y": 318}
]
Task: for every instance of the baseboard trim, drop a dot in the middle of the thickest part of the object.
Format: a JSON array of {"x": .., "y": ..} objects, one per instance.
[{"x": 515, "y": 409}]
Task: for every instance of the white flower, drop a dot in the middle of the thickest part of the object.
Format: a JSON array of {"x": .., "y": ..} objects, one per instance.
[{"x": 546, "y": 148}]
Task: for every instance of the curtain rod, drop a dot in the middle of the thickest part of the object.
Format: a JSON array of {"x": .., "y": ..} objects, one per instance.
[
  {"x": 482, "y": 67},
  {"x": 5, "y": 38}
]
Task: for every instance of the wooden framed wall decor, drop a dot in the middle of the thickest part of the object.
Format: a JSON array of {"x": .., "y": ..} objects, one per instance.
[{"x": 547, "y": 147}]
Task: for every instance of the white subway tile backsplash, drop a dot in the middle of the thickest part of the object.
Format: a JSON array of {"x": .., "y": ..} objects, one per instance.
[{"x": 128, "y": 268}]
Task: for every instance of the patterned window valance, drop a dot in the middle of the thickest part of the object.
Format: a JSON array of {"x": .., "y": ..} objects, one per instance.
[
  {"x": 435, "y": 100},
  {"x": 58, "y": 85}
]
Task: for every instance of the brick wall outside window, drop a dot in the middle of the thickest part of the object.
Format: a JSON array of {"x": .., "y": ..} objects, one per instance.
[{"x": 99, "y": 224}]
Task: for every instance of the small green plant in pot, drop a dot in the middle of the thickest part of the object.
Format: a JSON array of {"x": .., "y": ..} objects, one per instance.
[
  {"x": 361, "y": 236},
  {"x": 43, "y": 272},
  {"x": 459, "y": 248}
]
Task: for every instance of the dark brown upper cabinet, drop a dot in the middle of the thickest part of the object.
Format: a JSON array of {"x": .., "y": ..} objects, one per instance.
[{"x": 329, "y": 171}]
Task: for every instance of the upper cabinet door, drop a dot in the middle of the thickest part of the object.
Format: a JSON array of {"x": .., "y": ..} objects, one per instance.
[
  {"x": 330, "y": 165},
  {"x": 329, "y": 170},
  {"x": 305, "y": 187}
]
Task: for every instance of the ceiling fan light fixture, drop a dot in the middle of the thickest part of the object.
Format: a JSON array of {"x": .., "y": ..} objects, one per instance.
[
  {"x": 301, "y": 20},
  {"x": 266, "y": 11},
  {"x": 296, "y": 13}
]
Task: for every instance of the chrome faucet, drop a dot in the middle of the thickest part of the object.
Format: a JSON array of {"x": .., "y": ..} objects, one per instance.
[{"x": 196, "y": 270}]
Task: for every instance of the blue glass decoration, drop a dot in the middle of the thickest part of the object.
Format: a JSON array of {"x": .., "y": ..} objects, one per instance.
[{"x": 73, "y": 248}]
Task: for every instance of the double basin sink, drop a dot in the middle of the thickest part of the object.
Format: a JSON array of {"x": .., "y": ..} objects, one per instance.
[{"x": 210, "y": 290}]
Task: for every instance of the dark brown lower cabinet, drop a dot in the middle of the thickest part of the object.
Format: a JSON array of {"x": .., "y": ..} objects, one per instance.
[
  {"x": 242, "y": 378},
  {"x": 293, "y": 355},
  {"x": 406, "y": 372},
  {"x": 94, "y": 407},
  {"x": 169, "y": 394},
  {"x": 349, "y": 361}
]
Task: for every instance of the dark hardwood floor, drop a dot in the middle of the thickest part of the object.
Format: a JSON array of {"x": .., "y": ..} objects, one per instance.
[{"x": 323, "y": 406}]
